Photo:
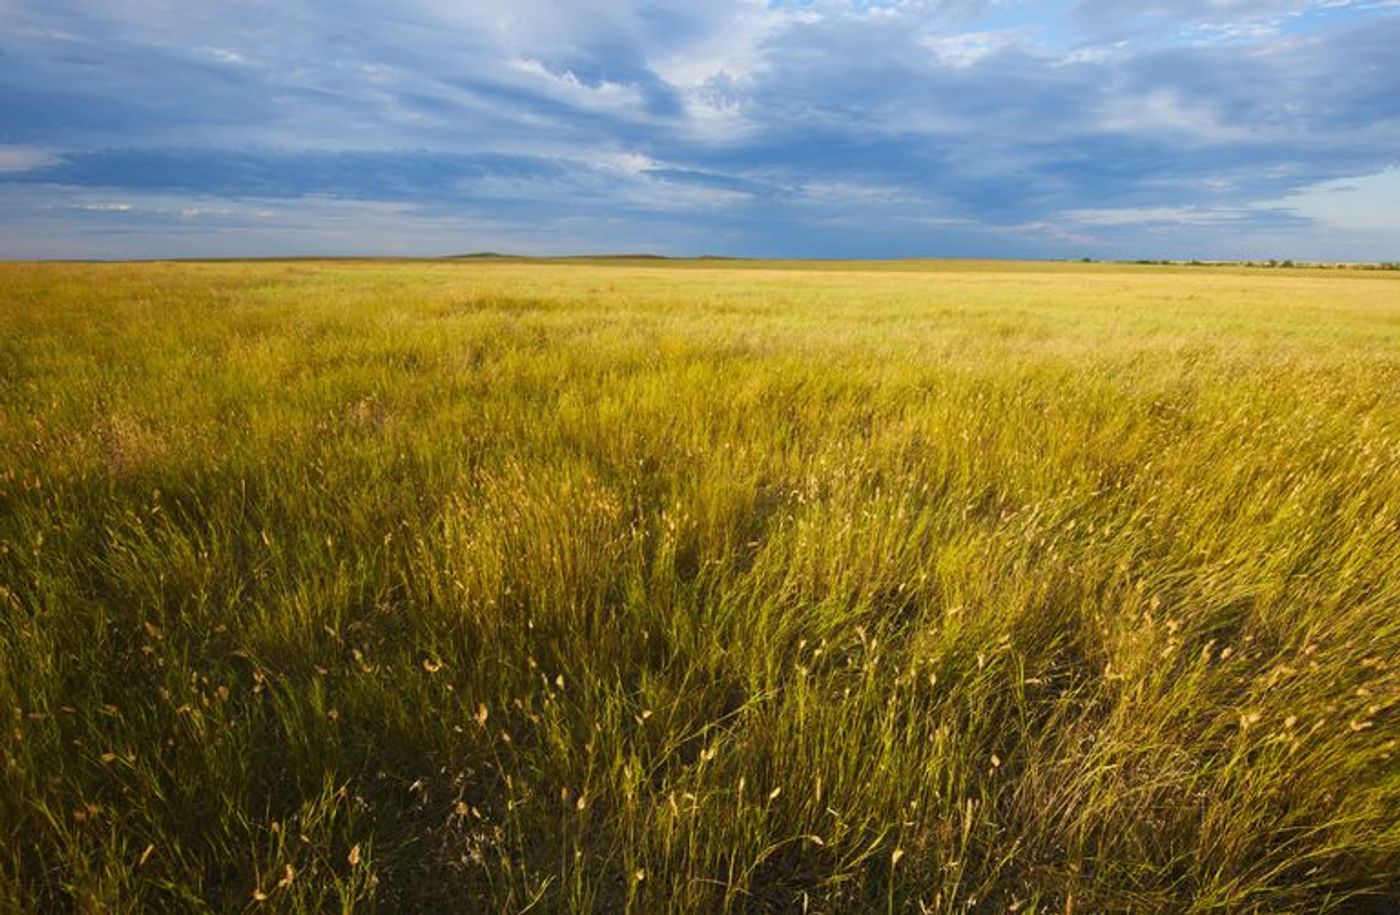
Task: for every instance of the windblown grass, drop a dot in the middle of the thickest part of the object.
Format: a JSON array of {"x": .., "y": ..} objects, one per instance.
[{"x": 497, "y": 586}]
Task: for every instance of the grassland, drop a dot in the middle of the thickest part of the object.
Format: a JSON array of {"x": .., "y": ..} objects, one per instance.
[{"x": 742, "y": 587}]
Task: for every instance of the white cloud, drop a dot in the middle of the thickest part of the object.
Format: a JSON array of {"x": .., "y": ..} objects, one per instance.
[
  {"x": 628, "y": 163},
  {"x": 25, "y": 158},
  {"x": 1131, "y": 216},
  {"x": 225, "y": 56},
  {"x": 854, "y": 192},
  {"x": 1167, "y": 111},
  {"x": 565, "y": 84},
  {"x": 968, "y": 49}
]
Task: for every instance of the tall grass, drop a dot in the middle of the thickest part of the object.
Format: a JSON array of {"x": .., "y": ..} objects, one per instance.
[{"x": 506, "y": 587}]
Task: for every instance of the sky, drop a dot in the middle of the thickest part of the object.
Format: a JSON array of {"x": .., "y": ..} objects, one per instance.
[{"x": 827, "y": 128}]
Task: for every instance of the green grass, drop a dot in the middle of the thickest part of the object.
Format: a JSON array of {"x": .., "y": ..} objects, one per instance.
[{"x": 740, "y": 587}]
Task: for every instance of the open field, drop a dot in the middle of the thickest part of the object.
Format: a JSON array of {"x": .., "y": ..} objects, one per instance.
[{"x": 494, "y": 586}]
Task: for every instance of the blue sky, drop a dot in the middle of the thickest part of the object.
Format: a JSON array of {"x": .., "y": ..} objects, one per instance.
[{"x": 826, "y": 128}]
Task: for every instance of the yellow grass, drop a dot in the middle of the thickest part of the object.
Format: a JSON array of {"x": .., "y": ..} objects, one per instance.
[{"x": 699, "y": 586}]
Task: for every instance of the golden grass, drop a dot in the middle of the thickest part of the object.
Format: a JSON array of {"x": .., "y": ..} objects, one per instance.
[{"x": 713, "y": 586}]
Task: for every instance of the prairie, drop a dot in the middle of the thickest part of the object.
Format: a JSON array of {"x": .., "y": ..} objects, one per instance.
[{"x": 495, "y": 586}]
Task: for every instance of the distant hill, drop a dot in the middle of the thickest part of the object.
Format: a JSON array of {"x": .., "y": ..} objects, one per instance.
[{"x": 494, "y": 255}]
